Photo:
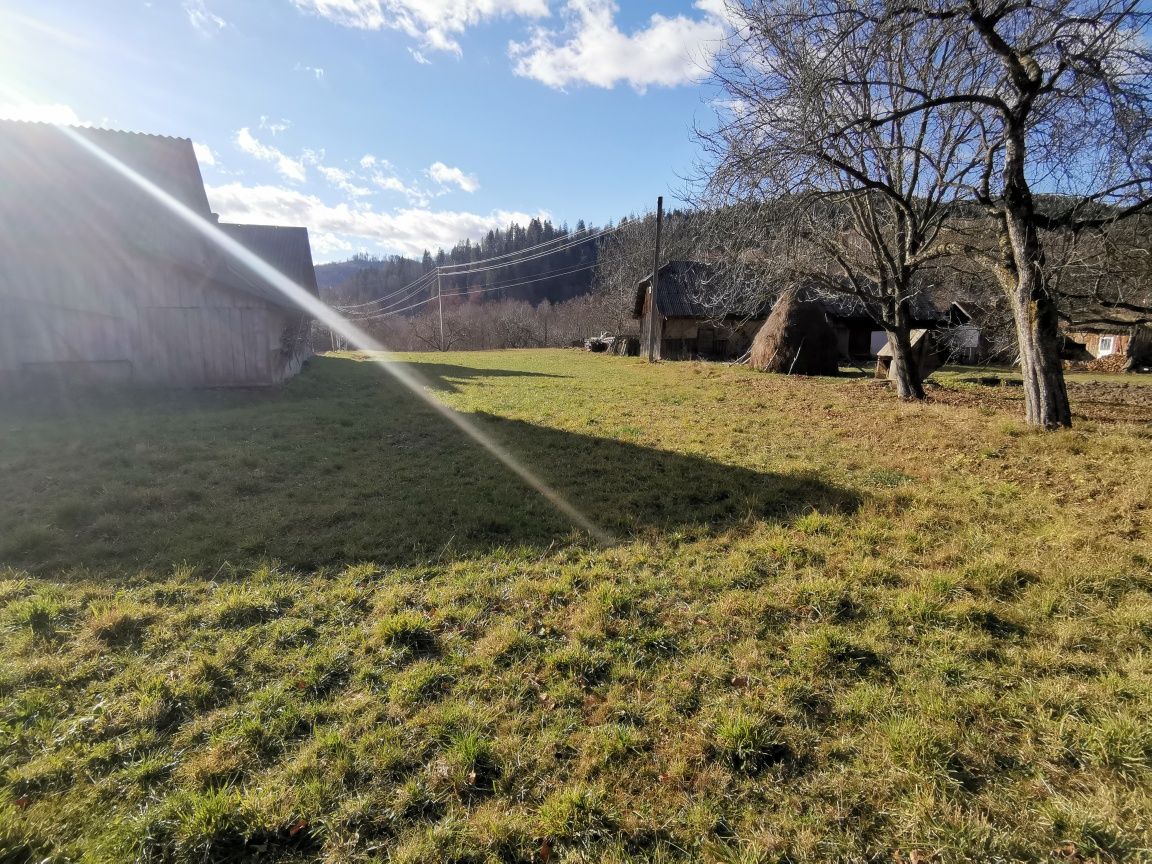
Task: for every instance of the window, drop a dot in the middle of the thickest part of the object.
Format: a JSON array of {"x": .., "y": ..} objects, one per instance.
[{"x": 1107, "y": 346}]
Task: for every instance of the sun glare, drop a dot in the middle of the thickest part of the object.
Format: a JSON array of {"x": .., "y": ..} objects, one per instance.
[{"x": 402, "y": 373}]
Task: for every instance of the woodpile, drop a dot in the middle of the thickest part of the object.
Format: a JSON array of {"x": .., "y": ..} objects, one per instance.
[
  {"x": 1112, "y": 364},
  {"x": 796, "y": 340}
]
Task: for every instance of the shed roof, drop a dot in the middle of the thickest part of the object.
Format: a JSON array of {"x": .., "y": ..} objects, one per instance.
[
  {"x": 681, "y": 284},
  {"x": 55, "y": 187},
  {"x": 680, "y": 289}
]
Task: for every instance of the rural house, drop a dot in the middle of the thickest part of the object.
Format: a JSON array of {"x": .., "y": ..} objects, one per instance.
[
  {"x": 100, "y": 282},
  {"x": 1114, "y": 333},
  {"x": 687, "y": 328}
]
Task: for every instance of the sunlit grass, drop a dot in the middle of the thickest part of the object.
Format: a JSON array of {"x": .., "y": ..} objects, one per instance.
[{"x": 315, "y": 624}]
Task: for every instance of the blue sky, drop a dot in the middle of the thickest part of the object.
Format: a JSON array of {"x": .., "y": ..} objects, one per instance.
[{"x": 384, "y": 125}]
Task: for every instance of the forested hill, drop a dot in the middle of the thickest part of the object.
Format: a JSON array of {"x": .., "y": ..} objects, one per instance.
[{"x": 565, "y": 271}]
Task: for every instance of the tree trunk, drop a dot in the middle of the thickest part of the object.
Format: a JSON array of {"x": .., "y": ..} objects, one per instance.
[
  {"x": 1033, "y": 308},
  {"x": 1038, "y": 335},
  {"x": 905, "y": 370}
]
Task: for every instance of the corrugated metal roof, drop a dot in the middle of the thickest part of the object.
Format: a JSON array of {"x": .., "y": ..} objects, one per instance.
[
  {"x": 56, "y": 196},
  {"x": 55, "y": 191},
  {"x": 286, "y": 248}
]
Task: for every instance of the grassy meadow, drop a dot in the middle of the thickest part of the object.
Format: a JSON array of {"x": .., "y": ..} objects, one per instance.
[{"x": 318, "y": 623}]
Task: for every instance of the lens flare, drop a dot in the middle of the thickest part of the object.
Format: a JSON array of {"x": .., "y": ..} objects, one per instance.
[{"x": 405, "y": 375}]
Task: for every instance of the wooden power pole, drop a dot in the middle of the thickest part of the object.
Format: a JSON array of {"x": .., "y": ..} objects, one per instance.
[
  {"x": 652, "y": 308},
  {"x": 440, "y": 303}
]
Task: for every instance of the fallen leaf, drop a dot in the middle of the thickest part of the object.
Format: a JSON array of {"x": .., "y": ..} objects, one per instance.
[{"x": 296, "y": 827}]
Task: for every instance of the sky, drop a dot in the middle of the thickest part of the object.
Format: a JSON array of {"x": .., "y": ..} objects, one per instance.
[{"x": 385, "y": 126}]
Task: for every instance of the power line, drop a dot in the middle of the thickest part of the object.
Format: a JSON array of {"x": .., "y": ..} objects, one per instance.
[
  {"x": 443, "y": 269},
  {"x": 543, "y": 254},
  {"x": 515, "y": 284},
  {"x": 415, "y": 292},
  {"x": 566, "y": 238},
  {"x": 387, "y": 296}
]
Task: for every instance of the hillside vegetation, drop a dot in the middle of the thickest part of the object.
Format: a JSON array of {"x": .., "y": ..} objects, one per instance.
[{"x": 317, "y": 623}]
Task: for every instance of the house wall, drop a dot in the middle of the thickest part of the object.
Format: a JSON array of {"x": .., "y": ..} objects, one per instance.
[
  {"x": 1091, "y": 341},
  {"x": 127, "y": 318}
]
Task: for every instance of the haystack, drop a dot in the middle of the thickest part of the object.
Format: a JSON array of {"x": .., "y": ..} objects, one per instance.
[{"x": 796, "y": 339}]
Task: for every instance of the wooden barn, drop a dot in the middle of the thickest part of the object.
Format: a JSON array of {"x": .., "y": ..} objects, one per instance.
[
  {"x": 687, "y": 329},
  {"x": 100, "y": 282}
]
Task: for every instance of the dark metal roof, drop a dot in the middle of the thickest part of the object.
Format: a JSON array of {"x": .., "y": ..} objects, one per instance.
[
  {"x": 683, "y": 283},
  {"x": 286, "y": 249}
]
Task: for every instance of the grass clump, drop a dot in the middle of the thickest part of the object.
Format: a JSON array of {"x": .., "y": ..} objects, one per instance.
[
  {"x": 407, "y": 631},
  {"x": 748, "y": 743}
]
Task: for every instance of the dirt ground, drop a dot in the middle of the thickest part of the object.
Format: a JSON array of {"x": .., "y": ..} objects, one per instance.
[{"x": 1099, "y": 401}]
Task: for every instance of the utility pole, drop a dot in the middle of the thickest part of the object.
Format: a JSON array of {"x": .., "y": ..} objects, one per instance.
[
  {"x": 440, "y": 303},
  {"x": 652, "y": 309}
]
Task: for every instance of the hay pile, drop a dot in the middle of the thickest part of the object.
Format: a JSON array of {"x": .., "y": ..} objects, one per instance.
[{"x": 796, "y": 339}]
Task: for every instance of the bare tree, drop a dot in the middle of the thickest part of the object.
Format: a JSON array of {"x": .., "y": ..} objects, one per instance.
[
  {"x": 1062, "y": 90},
  {"x": 625, "y": 258},
  {"x": 866, "y": 202}
]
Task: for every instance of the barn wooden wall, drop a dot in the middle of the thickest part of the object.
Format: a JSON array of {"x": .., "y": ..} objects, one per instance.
[{"x": 133, "y": 319}]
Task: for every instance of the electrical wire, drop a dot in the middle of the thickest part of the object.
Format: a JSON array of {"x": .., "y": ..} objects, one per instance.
[
  {"x": 542, "y": 278},
  {"x": 387, "y": 296},
  {"x": 566, "y": 238},
  {"x": 543, "y": 254}
]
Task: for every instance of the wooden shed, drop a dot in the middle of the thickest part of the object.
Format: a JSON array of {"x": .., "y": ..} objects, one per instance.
[
  {"x": 101, "y": 282},
  {"x": 684, "y": 327}
]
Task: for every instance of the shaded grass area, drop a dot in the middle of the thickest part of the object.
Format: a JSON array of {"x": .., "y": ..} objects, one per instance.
[
  {"x": 833, "y": 627},
  {"x": 344, "y": 464}
]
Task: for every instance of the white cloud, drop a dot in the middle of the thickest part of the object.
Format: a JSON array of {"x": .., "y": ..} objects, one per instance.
[
  {"x": 367, "y": 160},
  {"x": 286, "y": 166},
  {"x": 407, "y": 231},
  {"x": 316, "y": 72},
  {"x": 274, "y": 126},
  {"x": 40, "y": 112},
  {"x": 445, "y": 175},
  {"x": 203, "y": 18},
  {"x": 593, "y": 50},
  {"x": 204, "y": 154},
  {"x": 392, "y": 183},
  {"x": 434, "y": 22},
  {"x": 342, "y": 180}
]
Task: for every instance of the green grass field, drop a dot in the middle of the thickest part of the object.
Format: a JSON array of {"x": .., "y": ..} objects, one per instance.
[{"x": 319, "y": 623}]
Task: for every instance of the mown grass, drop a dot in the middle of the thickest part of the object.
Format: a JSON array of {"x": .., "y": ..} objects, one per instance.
[{"x": 318, "y": 624}]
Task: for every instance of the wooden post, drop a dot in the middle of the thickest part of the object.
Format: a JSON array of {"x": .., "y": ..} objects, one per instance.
[
  {"x": 440, "y": 303},
  {"x": 652, "y": 308}
]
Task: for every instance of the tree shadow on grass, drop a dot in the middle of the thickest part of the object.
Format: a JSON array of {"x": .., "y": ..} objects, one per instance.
[
  {"x": 449, "y": 377},
  {"x": 344, "y": 465}
]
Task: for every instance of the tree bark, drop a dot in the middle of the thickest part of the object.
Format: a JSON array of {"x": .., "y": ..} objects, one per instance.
[
  {"x": 905, "y": 370},
  {"x": 1038, "y": 335},
  {"x": 1033, "y": 307}
]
